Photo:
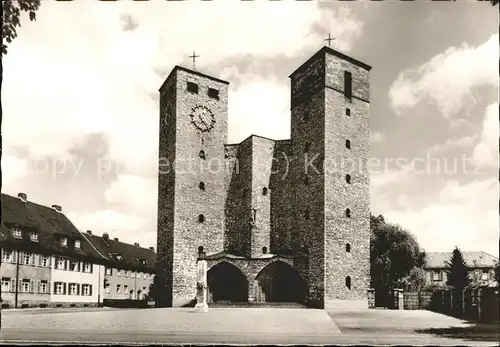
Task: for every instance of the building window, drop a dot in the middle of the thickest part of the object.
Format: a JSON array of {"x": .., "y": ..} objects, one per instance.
[
  {"x": 151, "y": 276},
  {"x": 87, "y": 289},
  {"x": 16, "y": 232},
  {"x": 485, "y": 275},
  {"x": 213, "y": 93},
  {"x": 348, "y": 178},
  {"x": 348, "y": 282},
  {"x": 348, "y": 144},
  {"x": 348, "y": 213},
  {"x": 43, "y": 287},
  {"x": 264, "y": 250},
  {"x": 201, "y": 218},
  {"x": 127, "y": 273},
  {"x": 144, "y": 275},
  {"x": 348, "y": 112},
  {"x": 6, "y": 256},
  {"x": 73, "y": 289},
  {"x": 60, "y": 264},
  {"x": 348, "y": 85},
  {"x": 26, "y": 258},
  {"x": 25, "y": 286},
  {"x": 125, "y": 289},
  {"x": 5, "y": 284},
  {"x": 202, "y": 155},
  {"x": 348, "y": 247},
  {"x": 306, "y": 147},
  {"x": 87, "y": 267},
  {"x": 77, "y": 244},
  {"x": 118, "y": 288},
  {"x": 73, "y": 265},
  {"x": 33, "y": 236},
  {"x": 192, "y": 87},
  {"x": 58, "y": 288},
  {"x": 200, "y": 249},
  {"x": 64, "y": 242},
  {"x": 44, "y": 260},
  {"x": 109, "y": 271},
  {"x": 107, "y": 289},
  {"x": 306, "y": 180},
  {"x": 265, "y": 191},
  {"x": 202, "y": 185},
  {"x": 436, "y": 275}
]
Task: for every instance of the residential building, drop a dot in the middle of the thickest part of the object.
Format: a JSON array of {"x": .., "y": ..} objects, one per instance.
[
  {"x": 47, "y": 261},
  {"x": 481, "y": 267},
  {"x": 129, "y": 269}
]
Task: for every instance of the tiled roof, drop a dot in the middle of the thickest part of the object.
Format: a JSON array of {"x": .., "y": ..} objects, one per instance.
[
  {"x": 123, "y": 255},
  {"x": 50, "y": 225},
  {"x": 437, "y": 260}
]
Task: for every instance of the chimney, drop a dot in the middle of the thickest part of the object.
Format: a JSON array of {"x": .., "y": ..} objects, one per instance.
[
  {"x": 136, "y": 244},
  {"x": 89, "y": 232},
  {"x": 116, "y": 239},
  {"x": 57, "y": 208},
  {"x": 23, "y": 197},
  {"x": 105, "y": 236},
  {"x": 152, "y": 249}
]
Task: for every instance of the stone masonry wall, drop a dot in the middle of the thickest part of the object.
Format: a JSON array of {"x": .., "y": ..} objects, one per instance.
[
  {"x": 281, "y": 198},
  {"x": 238, "y": 200},
  {"x": 166, "y": 193},
  {"x": 307, "y": 130},
  {"x": 342, "y": 231},
  {"x": 262, "y": 160}
]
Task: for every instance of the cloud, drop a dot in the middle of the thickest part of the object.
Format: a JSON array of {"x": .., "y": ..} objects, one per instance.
[
  {"x": 463, "y": 214},
  {"x": 100, "y": 78},
  {"x": 447, "y": 80},
  {"x": 461, "y": 143},
  {"x": 13, "y": 168},
  {"x": 376, "y": 137},
  {"x": 485, "y": 153}
]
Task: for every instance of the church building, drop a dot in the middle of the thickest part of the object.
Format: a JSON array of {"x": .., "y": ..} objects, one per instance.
[{"x": 276, "y": 220}]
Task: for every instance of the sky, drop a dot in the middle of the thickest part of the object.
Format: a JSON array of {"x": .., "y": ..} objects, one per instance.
[{"x": 80, "y": 103}]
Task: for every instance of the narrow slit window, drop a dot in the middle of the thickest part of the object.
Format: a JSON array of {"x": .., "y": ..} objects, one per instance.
[
  {"x": 348, "y": 178},
  {"x": 192, "y": 87},
  {"x": 348, "y": 144},
  {"x": 348, "y": 84}
]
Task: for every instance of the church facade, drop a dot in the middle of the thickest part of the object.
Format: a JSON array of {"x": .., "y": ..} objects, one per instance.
[{"x": 276, "y": 220}]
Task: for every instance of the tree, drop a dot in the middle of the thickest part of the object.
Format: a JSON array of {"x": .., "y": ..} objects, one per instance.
[
  {"x": 415, "y": 280},
  {"x": 11, "y": 13},
  {"x": 497, "y": 273},
  {"x": 394, "y": 252},
  {"x": 457, "y": 271}
]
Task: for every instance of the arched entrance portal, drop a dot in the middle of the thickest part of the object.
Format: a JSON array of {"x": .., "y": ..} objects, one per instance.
[
  {"x": 279, "y": 282},
  {"x": 226, "y": 283}
]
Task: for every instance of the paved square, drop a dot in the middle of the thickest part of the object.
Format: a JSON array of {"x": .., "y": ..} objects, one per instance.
[{"x": 231, "y": 326}]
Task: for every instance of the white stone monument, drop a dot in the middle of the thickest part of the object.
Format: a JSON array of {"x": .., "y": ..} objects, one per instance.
[{"x": 201, "y": 287}]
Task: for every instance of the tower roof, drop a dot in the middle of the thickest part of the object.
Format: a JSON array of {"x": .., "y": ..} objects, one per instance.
[
  {"x": 194, "y": 72},
  {"x": 338, "y": 54}
]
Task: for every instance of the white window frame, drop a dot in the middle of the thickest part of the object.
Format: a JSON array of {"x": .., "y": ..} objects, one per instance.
[
  {"x": 87, "y": 267},
  {"x": 109, "y": 271},
  {"x": 42, "y": 288},
  {"x": 7, "y": 256},
  {"x": 6, "y": 281},
  {"x": 17, "y": 232},
  {"x": 59, "y": 289},
  {"x": 44, "y": 260},
  {"x": 436, "y": 276},
  {"x": 60, "y": 261},
  {"x": 24, "y": 257},
  {"x": 73, "y": 289},
  {"x": 78, "y": 244},
  {"x": 485, "y": 275},
  {"x": 118, "y": 288},
  {"x": 76, "y": 263},
  {"x": 25, "y": 282},
  {"x": 64, "y": 242},
  {"x": 86, "y": 289},
  {"x": 107, "y": 288},
  {"x": 33, "y": 236}
]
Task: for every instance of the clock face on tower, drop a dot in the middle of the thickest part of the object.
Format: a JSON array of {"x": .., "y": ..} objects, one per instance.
[{"x": 202, "y": 118}]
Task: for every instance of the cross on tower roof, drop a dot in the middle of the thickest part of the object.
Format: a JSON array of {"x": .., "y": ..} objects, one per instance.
[
  {"x": 329, "y": 39},
  {"x": 194, "y": 56}
]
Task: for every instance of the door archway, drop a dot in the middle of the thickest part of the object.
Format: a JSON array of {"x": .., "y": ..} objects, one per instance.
[
  {"x": 226, "y": 283},
  {"x": 279, "y": 282}
]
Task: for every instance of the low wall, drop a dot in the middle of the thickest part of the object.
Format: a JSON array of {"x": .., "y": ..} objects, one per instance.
[{"x": 126, "y": 303}]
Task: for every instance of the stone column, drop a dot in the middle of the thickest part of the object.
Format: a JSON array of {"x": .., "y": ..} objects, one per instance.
[
  {"x": 371, "y": 298},
  {"x": 253, "y": 286},
  {"x": 201, "y": 287}
]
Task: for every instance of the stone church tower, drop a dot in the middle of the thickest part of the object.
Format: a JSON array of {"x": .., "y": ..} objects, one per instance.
[{"x": 276, "y": 220}]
